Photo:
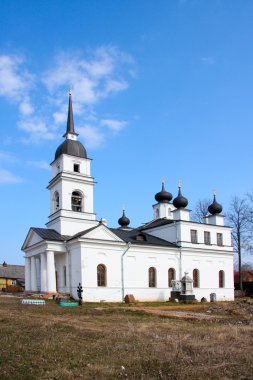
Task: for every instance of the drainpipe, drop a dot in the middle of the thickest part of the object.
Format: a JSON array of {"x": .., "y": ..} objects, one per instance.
[
  {"x": 122, "y": 270},
  {"x": 180, "y": 253},
  {"x": 68, "y": 262}
]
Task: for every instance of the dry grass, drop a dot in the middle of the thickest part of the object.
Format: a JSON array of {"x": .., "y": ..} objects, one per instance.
[{"x": 50, "y": 342}]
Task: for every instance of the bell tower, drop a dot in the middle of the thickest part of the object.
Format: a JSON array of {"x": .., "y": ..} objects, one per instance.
[{"x": 71, "y": 186}]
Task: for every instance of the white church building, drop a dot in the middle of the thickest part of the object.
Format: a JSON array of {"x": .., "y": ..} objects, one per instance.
[{"x": 148, "y": 261}]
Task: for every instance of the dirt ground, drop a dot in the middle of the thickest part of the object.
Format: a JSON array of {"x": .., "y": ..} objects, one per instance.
[
  {"x": 118, "y": 341},
  {"x": 238, "y": 312}
]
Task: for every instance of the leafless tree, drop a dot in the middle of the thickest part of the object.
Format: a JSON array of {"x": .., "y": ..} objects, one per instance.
[
  {"x": 201, "y": 210},
  {"x": 238, "y": 218}
]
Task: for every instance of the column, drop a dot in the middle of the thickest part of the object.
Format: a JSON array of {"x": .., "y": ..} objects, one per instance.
[
  {"x": 67, "y": 274},
  {"x": 33, "y": 274},
  {"x": 43, "y": 272},
  {"x": 27, "y": 273},
  {"x": 51, "y": 281}
]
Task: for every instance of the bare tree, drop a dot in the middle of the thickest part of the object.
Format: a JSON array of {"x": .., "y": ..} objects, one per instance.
[
  {"x": 201, "y": 210},
  {"x": 238, "y": 217}
]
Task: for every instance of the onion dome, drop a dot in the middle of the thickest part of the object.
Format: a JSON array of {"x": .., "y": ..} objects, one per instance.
[
  {"x": 163, "y": 196},
  {"x": 71, "y": 146},
  {"x": 124, "y": 221},
  {"x": 180, "y": 201},
  {"x": 215, "y": 207}
]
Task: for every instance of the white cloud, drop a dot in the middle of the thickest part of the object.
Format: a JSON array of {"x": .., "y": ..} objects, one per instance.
[
  {"x": 25, "y": 107},
  {"x": 37, "y": 130},
  {"x": 14, "y": 81},
  {"x": 93, "y": 76},
  {"x": 39, "y": 164},
  {"x": 7, "y": 177},
  {"x": 113, "y": 124},
  {"x": 208, "y": 60},
  {"x": 7, "y": 157},
  {"x": 92, "y": 136},
  {"x": 59, "y": 117}
]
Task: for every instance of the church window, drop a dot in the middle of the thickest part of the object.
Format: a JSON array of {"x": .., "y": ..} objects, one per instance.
[
  {"x": 157, "y": 213},
  {"x": 101, "y": 275},
  {"x": 56, "y": 201},
  {"x": 77, "y": 168},
  {"x": 152, "y": 277},
  {"x": 194, "y": 237},
  {"x": 207, "y": 237},
  {"x": 76, "y": 201},
  {"x": 195, "y": 277},
  {"x": 171, "y": 276},
  {"x": 64, "y": 275},
  {"x": 221, "y": 279},
  {"x": 141, "y": 237},
  {"x": 219, "y": 239}
]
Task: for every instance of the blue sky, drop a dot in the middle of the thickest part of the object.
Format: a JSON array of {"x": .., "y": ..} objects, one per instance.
[{"x": 160, "y": 89}]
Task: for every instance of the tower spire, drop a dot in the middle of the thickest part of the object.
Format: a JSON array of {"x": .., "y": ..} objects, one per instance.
[{"x": 70, "y": 121}]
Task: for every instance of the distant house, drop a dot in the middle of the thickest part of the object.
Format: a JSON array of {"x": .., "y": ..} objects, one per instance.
[
  {"x": 247, "y": 281},
  {"x": 12, "y": 277}
]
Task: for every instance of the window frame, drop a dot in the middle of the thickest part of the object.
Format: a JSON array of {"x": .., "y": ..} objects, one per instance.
[
  {"x": 219, "y": 237},
  {"x": 152, "y": 278},
  {"x": 56, "y": 201},
  {"x": 78, "y": 196},
  {"x": 221, "y": 278},
  {"x": 195, "y": 278},
  {"x": 207, "y": 237},
  {"x": 171, "y": 278},
  {"x": 76, "y": 166},
  {"x": 101, "y": 275},
  {"x": 194, "y": 236}
]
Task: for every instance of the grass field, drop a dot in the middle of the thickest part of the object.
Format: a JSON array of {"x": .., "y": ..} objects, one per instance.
[{"x": 115, "y": 342}]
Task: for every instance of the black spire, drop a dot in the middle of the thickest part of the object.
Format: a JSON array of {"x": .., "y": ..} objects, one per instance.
[{"x": 70, "y": 122}]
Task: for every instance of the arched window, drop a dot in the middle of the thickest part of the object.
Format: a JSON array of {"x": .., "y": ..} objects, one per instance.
[
  {"x": 195, "y": 277},
  {"x": 221, "y": 279},
  {"x": 76, "y": 201},
  {"x": 152, "y": 277},
  {"x": 56, "y": 201},
  {"x": 101, "y": 275},
  {"x": 157, "y": 213},
  {"x": 171, "y": 276}
]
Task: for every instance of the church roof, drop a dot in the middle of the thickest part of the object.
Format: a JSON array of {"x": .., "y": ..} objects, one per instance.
[
  {"x": 72, "y": 148},
  {"x": 136, "y": 236},
  {"x": 156, "y": 223},
  {"x": 49, "y": 234}
]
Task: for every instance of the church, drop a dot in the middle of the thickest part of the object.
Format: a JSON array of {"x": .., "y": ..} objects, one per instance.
[{"x": 148, "y": 262}]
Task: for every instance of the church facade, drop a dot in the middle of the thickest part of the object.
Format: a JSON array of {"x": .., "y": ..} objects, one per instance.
[{"x": 147, "y": 261}]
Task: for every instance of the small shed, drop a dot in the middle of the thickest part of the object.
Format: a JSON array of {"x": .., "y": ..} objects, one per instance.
[{"x": 12, "y": 277}]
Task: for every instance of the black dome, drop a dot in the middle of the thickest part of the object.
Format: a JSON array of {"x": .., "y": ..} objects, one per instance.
[
  {"x": 163, "y": 196},
  {"x": 215, "y": 207},
  {"x": 72, "y": 148},
  {"x": 180, "y": 201},
  {"x": 124, "y": 221}
]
